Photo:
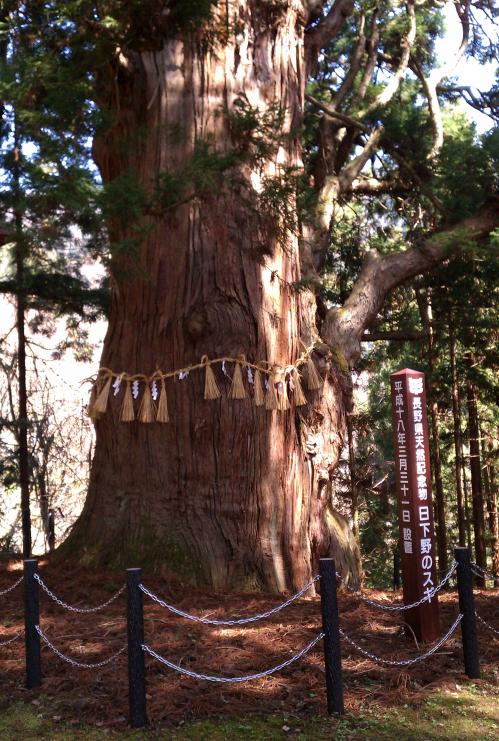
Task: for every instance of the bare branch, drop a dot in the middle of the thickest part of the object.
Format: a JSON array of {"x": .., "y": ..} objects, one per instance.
[
  {"x": 347, "y": 120},
  {"x": 349, "y": 78},
  {"x": 478, "y": 99},
  {"x": 435, "y": 113},
  {"x": 319, "y": 35},
  {"x": 372, "y": 51},
  {"x": 406, "y": 46},
  {"x": 336, "y": 185},
  {"x": 396, "y": 335},
  {"x": 354, "y": 167},
  {"x": 343, "y": 328},
  {"x": 463, "y": 11},
  {"x": 438, "y": 75},
  {"x": 386, "y": 145},
  {"x": 373, "y": 186}
]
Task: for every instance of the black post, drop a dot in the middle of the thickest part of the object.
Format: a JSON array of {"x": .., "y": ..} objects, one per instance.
[
  {"x": 396, "y": 569},
  {"x": 136, "y": 664},
  {"x": 331, "y": 628},
  {"x": 32, "y": 619},
  {"x": 467, "y": 609}
]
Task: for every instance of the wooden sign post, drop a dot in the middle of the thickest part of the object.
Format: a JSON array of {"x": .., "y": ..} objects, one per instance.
[{"x": 415, "y": 511}]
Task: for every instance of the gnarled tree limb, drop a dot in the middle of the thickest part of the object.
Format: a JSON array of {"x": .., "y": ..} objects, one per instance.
[
  {"x": 349, "y": 78},
  {"x": 431, "y": 82},
  {"x": 319, "y": 35},
  {"x": 372, "y": 51},
  {"x": 353, "y": 168},
  {"x": 406, "y": 46},
  {"x": 395, "y": 335},
  {"x": 343, "y": 327},
  {"x": 386, "y": 145},
  {"x": 364, "y": 185}
]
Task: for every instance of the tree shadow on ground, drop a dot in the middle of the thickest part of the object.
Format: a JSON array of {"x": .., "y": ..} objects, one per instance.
[{"x": 99, "y": 696}]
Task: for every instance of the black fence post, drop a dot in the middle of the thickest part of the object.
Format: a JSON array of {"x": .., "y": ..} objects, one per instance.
[
  {"x": 331, "y": 628},
  {"x": 136, "y": 664},
  {"x": 467, "y": 609},
  {"x": 31, "y": 620}
]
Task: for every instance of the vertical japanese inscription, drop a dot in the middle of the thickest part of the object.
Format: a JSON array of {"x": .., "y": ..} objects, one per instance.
[{"x": 417, "y": 545}]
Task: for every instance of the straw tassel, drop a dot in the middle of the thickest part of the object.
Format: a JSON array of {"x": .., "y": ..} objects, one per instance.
[
  {"x": 146, "y": 409},
  {"x": 211, "y": 390},
  {"x": 162, "y": 411},
  {"x": 127, "y": 413},
  {"x": 314, "y": 381},
  {"x": 91, "y": 403},
  {"x": 271, "y": 401},
  {"x": 259, "y": 398},
  {"x": 100, "y": 404},
  {"x": 282, "y": 395},
  {"x": 237, "y": 387},
  {"x": 299, "y": 396}
]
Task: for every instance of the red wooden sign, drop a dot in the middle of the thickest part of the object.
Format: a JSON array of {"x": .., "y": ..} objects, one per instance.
[{"x": 415, "y": 511}]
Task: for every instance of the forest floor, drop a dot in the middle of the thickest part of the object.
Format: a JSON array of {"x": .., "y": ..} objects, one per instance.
[{"x": 430, "y": 701}]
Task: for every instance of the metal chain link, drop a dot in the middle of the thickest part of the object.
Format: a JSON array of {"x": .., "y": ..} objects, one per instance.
[
  {"x": 403, "y": 662},
  {"x": 233, "y": 680},
  {"x": 12, "y": 587},
  {"x": 71, "y": 607},
  {"x": 487, "y": 625},
  {"x": 235, "y": 621},
  {"x": 478, "y": 571},
  {"x": 401, "y": 608},
  {"x": 10, "y": 640},
  {"x": 73, "y": 662}
]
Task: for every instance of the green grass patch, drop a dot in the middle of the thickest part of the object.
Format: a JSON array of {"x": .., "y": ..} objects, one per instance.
[{"x": 466, "y": 714}]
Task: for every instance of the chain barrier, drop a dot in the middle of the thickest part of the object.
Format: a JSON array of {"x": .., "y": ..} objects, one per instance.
[
  {"x": 10, "y": 640},
  {"x": 487, "y": 625},
  {"x": 481, "y": 573},
  {"x": 403, "y": 662},
  {"x": 73, "y": 662},
  {"x": 12, "y": 587},
  {"x": 401, "y": 608},
  {"x": 234, "y": 621},
  {"x": 233, "y": 680},
  {"x": 71, "y": 607}
]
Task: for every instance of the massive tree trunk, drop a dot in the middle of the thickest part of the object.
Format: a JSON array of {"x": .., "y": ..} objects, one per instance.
[{"x": 227, "y": 493}]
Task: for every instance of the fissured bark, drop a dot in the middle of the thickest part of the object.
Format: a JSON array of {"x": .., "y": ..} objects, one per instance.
[{"x": 227, "y": 493}]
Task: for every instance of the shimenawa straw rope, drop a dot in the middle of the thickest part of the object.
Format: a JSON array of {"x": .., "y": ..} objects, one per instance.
[{"x": 276, "y": 396}]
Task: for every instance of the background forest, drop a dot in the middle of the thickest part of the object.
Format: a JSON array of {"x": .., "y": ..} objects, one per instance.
[{"x": 416, "y": 161}]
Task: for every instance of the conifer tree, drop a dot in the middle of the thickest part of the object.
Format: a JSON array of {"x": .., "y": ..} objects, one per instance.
[{"x": 223, "y": 177}]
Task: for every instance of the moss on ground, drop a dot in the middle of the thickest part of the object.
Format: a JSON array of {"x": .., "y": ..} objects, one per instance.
[{"x": 466, "y": 714}]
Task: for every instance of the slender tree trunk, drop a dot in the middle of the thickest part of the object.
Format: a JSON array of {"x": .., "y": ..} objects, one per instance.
[
  {"x": 476, "y": 477},
  {"x": 424, "y": 301},
  {"x": 353, "y": 477},
  {"x": 23, "y": 453},
  {"x": 456, "y": 421},
  {"x": 43, "y": 500},
  {"x": 384, "y": 497},
  {"x": 469, "y": 539},
  {"x": 227, "y": 493},
  {"x": 491, "y": 492}
]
